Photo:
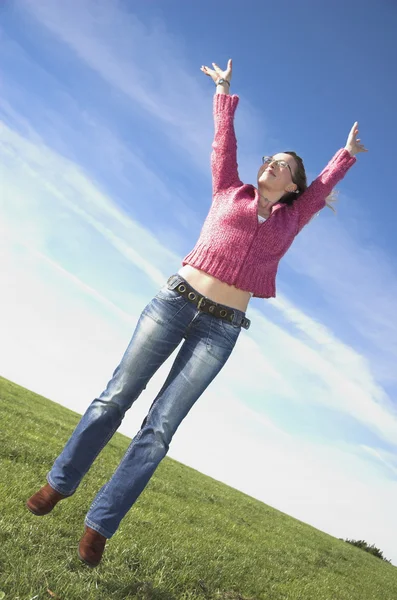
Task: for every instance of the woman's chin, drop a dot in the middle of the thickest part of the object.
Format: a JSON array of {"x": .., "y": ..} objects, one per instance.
[{"x": 265, "y": 183}]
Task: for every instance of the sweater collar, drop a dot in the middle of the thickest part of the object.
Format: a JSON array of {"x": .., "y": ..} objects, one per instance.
[{"x": 276, "y": 206}]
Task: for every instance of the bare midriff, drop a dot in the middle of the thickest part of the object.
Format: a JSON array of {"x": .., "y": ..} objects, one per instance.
[{"x": 216, "y": 290}]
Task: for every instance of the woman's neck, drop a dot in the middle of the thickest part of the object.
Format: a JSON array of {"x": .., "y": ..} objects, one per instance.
[
  {"x": 265, "y": 205},
  {"x": 273, "y": 196}
]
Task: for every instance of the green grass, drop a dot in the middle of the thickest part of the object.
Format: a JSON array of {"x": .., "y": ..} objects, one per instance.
[{"x": 188, "y": 536}]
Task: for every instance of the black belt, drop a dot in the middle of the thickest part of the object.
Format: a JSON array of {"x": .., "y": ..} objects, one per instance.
[{"x": 205, "y": 304}]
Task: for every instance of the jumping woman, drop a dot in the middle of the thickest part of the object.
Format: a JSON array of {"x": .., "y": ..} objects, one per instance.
[{"x": 247, "y": 231}]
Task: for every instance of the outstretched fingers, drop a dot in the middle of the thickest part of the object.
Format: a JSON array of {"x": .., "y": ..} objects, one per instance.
[
  {"x": 205, "y": 70},
  {"x": 217, "y": 72},
  {"x": 353, "y": 142},
  {"x": 354, "y": 129},
  {"x": 360, "y": 147}
]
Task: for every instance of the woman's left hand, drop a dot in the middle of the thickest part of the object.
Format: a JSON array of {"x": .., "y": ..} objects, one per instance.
[{"x": 352, "y": 144}]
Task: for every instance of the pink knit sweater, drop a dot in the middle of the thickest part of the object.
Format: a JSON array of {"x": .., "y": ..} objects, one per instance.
[{"x": 233, "y": 246}]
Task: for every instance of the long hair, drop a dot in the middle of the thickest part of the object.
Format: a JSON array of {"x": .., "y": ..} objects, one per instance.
[{"x": 301, "y": 181}]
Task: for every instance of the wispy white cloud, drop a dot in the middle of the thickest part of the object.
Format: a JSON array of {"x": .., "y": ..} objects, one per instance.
[
  {"x": 358, "y": 285},
  {"x": 109, "y": 40},
  {"x": 347, "y": 383},
  {"x": 87, "y": 138},
  {"x": 387, "y": 459},
  {"x": 91, "y": 30},
  {"x": 68, "y": 184}
]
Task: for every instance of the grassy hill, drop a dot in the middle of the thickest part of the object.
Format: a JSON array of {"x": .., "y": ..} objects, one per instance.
[{"x": 188, "y": 536}]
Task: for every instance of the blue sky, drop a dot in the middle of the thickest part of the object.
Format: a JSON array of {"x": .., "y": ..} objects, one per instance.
[{"x": 105, "y": 143}]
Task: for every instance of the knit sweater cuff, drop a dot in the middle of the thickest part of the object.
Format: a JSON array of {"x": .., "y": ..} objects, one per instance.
[
  {"x": 225, "y": 104},
  {"x": 344, "y": 159}
]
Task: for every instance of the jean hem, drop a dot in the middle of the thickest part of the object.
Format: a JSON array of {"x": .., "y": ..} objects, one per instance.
[
  {"x": 98, "y": 528},
  {"x": 58, "y": 489}
]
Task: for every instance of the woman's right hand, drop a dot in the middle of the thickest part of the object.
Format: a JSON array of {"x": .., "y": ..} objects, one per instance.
[
  {"x": 352, "y": 144},
  {"x": 217, "y": 73}
]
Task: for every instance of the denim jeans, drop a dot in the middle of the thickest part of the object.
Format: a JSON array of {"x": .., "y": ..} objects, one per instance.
[{"x": 167, "y": 320}]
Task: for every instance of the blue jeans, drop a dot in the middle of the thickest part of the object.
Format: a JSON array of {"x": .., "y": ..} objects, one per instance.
[{"x": 167, "y": 320}]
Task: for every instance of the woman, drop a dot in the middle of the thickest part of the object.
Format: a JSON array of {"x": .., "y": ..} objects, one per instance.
[{"x": 244, "y": 236}]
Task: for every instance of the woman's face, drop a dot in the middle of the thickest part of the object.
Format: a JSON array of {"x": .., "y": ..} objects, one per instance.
[{"x": 278, "y": 178}]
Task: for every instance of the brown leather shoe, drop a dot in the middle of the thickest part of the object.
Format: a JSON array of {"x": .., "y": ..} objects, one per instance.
[
  {"x": 43, "y": 501},
  {"x": 91, "y": 547}
]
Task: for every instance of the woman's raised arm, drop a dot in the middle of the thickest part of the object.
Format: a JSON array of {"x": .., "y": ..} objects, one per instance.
[
  {"x": 224, "y": 147},
  {"x": 313, "y": 199}
]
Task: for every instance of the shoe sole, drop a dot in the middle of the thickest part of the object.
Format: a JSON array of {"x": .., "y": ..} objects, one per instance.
[
  {"x": 37, "y": 514},
  {"x": 91, "y": 565}
]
